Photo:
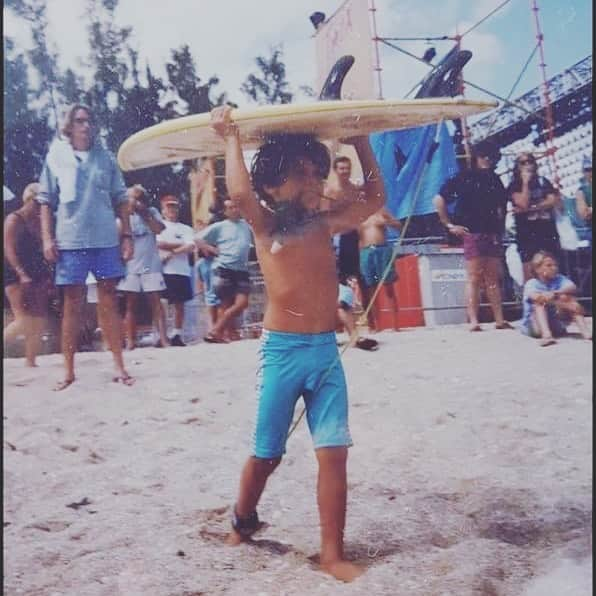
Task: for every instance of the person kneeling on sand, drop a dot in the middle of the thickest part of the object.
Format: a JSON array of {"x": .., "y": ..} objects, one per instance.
[
  {"x": 550, "y": 303},
  {"x": 299, "y": 355}
]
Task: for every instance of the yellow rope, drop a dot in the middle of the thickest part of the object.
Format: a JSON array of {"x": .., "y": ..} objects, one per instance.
[{"x": 363, "y": 318}]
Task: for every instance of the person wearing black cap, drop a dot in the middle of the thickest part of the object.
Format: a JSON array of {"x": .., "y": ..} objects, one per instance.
[{"x": 479, "y": 221}]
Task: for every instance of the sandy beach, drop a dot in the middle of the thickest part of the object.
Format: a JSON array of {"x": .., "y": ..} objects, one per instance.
[{"x": 471, "y": 473}]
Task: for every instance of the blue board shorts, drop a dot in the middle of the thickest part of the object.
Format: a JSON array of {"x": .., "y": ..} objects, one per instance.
[
  {"x": 374, "y": 260},
  {"x": 74, "y": 265},
  {"x": 294, "y": 365}
]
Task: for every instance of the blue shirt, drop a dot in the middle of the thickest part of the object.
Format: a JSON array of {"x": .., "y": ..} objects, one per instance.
[
  {"x": 232, "y": 239},
  {"x": 534, "y": 285},
  {"x": 89, "y": 221}
]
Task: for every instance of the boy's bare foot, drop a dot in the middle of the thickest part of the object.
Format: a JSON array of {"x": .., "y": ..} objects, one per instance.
[
  {"x": 547, "y": 341},
  {"x": 234, "y": 539},
  {"x": 343, "y": 570},
  {"x": 475, "y": 327}
]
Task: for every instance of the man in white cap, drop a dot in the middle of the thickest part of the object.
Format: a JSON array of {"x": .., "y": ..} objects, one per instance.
[{"x": 175, "y": 243}]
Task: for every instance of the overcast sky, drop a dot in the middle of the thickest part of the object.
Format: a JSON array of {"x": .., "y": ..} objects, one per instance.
[{"x": 226, "y": 35}]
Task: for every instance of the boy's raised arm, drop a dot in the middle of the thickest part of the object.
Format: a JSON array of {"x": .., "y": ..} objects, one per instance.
[
  {"x": 237, "y": 176},
  {"x": 370, "y": 196}
]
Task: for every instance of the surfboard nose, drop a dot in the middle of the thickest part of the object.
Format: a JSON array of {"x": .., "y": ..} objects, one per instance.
[{"x": 332, "y": 85}]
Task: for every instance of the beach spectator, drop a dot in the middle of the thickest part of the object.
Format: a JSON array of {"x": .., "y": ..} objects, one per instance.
[
  {"x": 335, "y": 195},
  {"x": 299, "y": 355},
  {"x": 376, "y": 255},
  {"x": 230, "y": 240},
  {"x": 550, "y": 302},
  {"x": 143, "y": 271},
  {"x": 176, "y": 243},
  {"x": 9, "y": 203},
  {"x": 82, "y": 189},
  {"x": 534, "y": 201},
  {"x": 27, "y": 275},
  {"x": 345, "y": 314},
  {"x": 479, "y": 220},
  {"x": 583, "y": 196}
]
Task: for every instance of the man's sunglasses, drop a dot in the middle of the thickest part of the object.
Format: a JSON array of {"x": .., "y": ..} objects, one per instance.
[{"x": 525, "y": 162}]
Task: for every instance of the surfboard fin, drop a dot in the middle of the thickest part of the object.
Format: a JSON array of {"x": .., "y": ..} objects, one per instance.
[
  {"x": 332, "y": 86},
  {"x": 443, "y": 80}
]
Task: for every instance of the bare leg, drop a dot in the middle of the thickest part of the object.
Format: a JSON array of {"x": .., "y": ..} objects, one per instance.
[
  {"x": 568, "y": 304},
  {"x": 157, "y": 314},
  {"x": 71, "y": 318},
  {"x": 492, "y": 283},
  {"x": 179, "y": 315},
  {"x": 367, "y": 294},
  {"x": 252, "y": 483},
  {"x": 347, "y": 320},
  {"x": 130, "y": 322},
  {"x": 14, "y": 293},
  {"x": 212, "y": 310},
  {"x": 33, "y": 329},
  {"x": 227, "y": 314},
  {"x": 472, "y": 291},
  {"x": 331, "y": 496},
  {"x": 540, "y": 319},
  {"x": 109, "y": 319},
  {"x": 393, "y": 301}
]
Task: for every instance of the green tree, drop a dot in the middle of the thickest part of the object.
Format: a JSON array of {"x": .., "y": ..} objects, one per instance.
[
  {"x": 183, "y": 77},
  {"x": 269, "y": 86},
  {"x": 26, "y": 132},
  {"x": 42, "y": 57},
  {"x": 110, "y": 69}
]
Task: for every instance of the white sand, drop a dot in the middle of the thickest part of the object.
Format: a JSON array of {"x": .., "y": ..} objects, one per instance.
[{"x": 470, "y": 474}]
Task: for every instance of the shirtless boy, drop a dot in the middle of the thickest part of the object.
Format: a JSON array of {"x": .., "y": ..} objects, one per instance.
[
  {"x": 298, "y": 352},
  {"x": 375, "y": 255}
]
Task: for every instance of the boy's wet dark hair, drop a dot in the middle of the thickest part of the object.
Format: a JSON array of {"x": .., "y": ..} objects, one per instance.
[{"x": 275, "y": 159}]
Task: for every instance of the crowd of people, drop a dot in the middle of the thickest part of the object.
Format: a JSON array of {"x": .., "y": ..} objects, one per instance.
[
  {"x": 80, "y": 223},
  {"x": 322, "y": 247},
  {"x": 478, "y": 202},
  {"x": 81, "y": 232}
]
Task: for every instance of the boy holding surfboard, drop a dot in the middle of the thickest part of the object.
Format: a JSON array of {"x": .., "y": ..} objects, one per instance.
[{"x": 299, "y": 355}]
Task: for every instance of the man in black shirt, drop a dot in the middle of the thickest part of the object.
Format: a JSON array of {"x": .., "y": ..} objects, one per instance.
[{"x": 479, "y": 221}]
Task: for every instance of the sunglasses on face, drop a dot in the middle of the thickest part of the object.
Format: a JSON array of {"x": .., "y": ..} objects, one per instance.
[{"x": 525, "y": 162}]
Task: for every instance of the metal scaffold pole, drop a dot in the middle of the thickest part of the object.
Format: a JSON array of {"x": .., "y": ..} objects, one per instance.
[
  {"x": 550, "y": 144},
  {"x": 378, "y": 68}
]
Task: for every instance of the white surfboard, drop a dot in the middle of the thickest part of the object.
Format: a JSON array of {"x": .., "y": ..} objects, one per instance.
[{"x": 190, "y": 137}]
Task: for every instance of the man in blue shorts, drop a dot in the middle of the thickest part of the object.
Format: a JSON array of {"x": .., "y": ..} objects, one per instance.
[
  {"x": 299, "y": 356},
  {"x": 81, "y": 187},
  {"x": 375, "y": 256}
]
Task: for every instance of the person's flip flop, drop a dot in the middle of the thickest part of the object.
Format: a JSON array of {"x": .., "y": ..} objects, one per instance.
[
  {"x": 505, "y": 325},
  {"x": 211, "y": 339},
  {"x": 475, "y": 328},
  {"x": 547, "y": 342},
  {"x": 61, "y": 385},
  {"x": 365, "y": 343},
  {"x": 124, "y": 379}
]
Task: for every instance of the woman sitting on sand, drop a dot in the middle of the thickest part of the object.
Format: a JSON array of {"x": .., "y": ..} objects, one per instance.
[
  {"x": 27, "y": 276},
  {"x": 550, "y": 303}
]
